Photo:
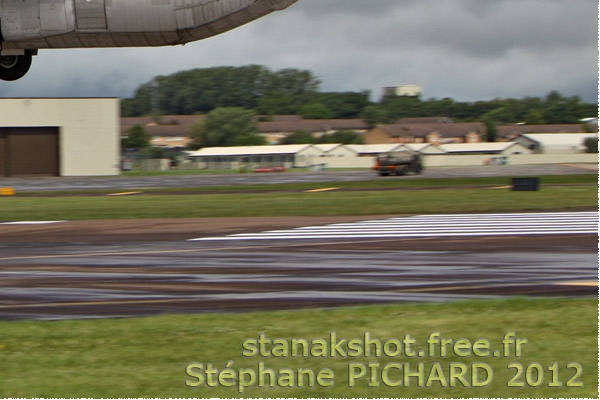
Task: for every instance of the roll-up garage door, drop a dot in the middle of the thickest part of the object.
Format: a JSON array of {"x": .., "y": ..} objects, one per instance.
[{"x": 29, "y": 151}]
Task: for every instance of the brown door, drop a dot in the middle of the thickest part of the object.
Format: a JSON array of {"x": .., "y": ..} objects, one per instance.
[
  {"x": 30, "y": 151},
  {"x": 3, "y": 152}
]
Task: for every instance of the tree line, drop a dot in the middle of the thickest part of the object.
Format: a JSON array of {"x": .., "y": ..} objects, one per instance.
[{"x": 297, "y": 92}]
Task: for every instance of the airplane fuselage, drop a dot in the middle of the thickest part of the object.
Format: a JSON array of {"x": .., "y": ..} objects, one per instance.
[{"x": 29, "y": 25}]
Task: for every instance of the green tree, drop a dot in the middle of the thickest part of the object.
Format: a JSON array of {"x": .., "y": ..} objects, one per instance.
[
  {"x": 535, "y": 117},
  {"x": 343, "y": 105},
  {"x": 396, "y": 107},
  {"x": 227, "y": 126},
  {"x": 137, "y": 138},
  {"x": 343, "y": 136},
  {"x": 287, "y": 90},
  {"x": 491, "y": 130},
  {"x": 501, "y": 115},
  {"x": 315, "y": 111},
  {"x": 372, "y": 116}
]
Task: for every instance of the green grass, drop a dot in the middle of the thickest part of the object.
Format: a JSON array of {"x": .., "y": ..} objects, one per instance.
[
  {"x": 386, "y": 183},
  {"x": 370, "y": 202},
  {"x": 142, "y": 357}
]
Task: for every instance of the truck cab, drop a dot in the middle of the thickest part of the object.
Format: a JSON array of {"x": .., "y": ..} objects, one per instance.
[{"x": 398, "y": 163}]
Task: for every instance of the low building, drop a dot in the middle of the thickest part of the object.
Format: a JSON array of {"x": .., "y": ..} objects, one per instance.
[
  {"x": 278, "y": 129},
  {"x": 167, "y": 131},
  {"x": 490, "y": 148},
  {"x": 422, "y": 148},
  {"x": 510, "y": 132},
  {"x": 173, "y": 130},
  {"x": 59, "y": 137},
  {"x": 335, "y": 150},
  {"x": 372, "y": 150},
  {"x": 249, "y": 157},
  {"x": 427, "y": 133}
]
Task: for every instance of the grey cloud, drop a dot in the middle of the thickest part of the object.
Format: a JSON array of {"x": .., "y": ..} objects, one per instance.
[{"x": 464, "y": 49}]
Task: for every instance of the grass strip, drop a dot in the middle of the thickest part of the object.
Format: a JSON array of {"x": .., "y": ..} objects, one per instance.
[
  {"x": 296, "y": 203},
  {"x": 148, "y": 357}
]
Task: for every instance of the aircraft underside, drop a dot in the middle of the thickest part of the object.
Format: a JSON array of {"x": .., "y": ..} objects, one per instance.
[{"x": 29, "y": 25}]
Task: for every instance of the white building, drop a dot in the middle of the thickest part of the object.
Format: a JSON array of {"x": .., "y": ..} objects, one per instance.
[
  {"x": 335, "y": 150},
  {"x": 59, "y": 137},
  {"x": 403, "y": 90},
  {"x": 371, "y": 150},
  {"x": 503, "y": 148},
  {"x": 555, "y": 143},
  {"x": 288, "y": 156}
]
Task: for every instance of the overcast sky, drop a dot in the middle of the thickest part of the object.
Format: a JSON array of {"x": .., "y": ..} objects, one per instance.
[{"x": 463, "y": 49}]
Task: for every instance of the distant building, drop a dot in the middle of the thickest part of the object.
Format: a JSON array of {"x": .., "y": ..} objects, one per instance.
[
  {"x": 278, "y": 129},
  {"x": 504, "y": 148},
  {"x": 288, "y": 156},
  {"x": 510, "y": 132},
  {"x": 172, "y": 131},
  {"x": 403, "y": 90},
  {"x": 554, "y": 143},
  {"x": 425, "y": 120},
  {"x": 437, "y": 134}
]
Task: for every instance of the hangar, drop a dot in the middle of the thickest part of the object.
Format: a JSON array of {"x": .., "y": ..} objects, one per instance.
[{"x": 59, "y": 137}]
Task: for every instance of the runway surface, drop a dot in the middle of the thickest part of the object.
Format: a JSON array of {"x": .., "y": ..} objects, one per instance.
[{"x": 345, "y": 262}]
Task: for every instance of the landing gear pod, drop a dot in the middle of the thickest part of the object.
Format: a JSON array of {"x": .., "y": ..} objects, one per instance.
[{"x": 13, "y": 67}]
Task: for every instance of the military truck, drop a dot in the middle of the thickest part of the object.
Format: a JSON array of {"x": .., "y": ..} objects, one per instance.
[{"x": 398, "y": 163}]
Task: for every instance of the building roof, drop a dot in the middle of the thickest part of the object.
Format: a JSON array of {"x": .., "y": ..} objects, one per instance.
[
  {"x": 327, "y": 147},
  {"x": 250, "y": 150},
  {"x": 425, "y": 120},
  {"x": 373, "y": 148},
  {"x": 311, "y": 125},
  {"x": 169, "y": 125},
  {"x": 553, "y": 139},
  {"x": 179, "y": 125},
  {"x": 424, "y": 148},
  {"x": 422, "y": 130},
  {"x": 506, "y": 131},
  {"x": 477, "y": 147}
]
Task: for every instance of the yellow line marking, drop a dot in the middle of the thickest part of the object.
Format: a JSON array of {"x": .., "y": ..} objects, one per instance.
[
  {"x": 123, "y": 194},
  {"x": 321, "y": 190}
]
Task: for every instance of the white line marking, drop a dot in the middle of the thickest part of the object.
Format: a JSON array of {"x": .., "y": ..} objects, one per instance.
[
  {"x": 442, "y": 225},
  {"x": 30, "y": 222}
]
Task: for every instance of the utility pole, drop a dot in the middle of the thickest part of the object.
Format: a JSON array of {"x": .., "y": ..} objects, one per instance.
[{"x": 155, "y": 96}]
